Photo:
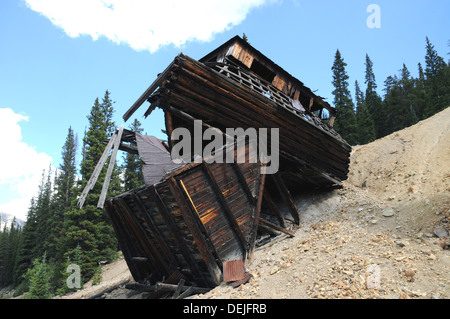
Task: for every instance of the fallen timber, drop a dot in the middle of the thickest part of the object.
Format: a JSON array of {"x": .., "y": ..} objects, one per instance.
[{"x": 195, "y": 224}]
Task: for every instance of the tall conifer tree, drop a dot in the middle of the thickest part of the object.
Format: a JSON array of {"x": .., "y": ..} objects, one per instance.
[
  {"x": 366, "y": 128},
  {"x": 132, "y": 164},
  {"x": 89, "y": 228},
  {"x": 345, "y": 123},
  {"x": 374, "y": 101}
]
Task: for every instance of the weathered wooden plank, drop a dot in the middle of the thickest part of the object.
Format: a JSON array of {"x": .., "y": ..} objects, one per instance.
[
  {"x": 159, "y": 267},
  {"x": 226, "y": 208},
  {"x": 156, "y": 232},
  {"x": 257, "y": 212},
  {"x": 123, "y": 239},
  {"x": 159, "y": 80},
  {"x": 98, "y": 168},
  {"x": 303, "y": 144},
  {"x": 112, "y": 163},
  {"x": 273, "y": 207},
  {"x": 164, "y": 211},
  {"x": 276, "y": 227},
  {"x": 286, "y": 195},
  {"x": 200, "y": 240}
]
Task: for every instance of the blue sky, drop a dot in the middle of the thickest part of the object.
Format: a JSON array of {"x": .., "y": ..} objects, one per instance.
[{"x": 57, "y": 56}]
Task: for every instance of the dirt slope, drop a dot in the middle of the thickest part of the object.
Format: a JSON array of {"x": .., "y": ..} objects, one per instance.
[
  {"x": 372, "y": 239},
  {"x": 375, "y": 237}
]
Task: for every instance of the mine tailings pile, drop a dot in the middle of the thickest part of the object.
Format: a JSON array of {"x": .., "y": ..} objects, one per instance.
[{"x": 198, "y": 218}]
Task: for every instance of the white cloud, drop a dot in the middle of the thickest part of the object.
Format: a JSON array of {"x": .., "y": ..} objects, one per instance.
[
  {"x": 21, "y": 165},
  {"x": 145, "y": 24}
]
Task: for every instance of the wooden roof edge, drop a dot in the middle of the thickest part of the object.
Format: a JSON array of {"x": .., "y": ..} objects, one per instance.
[{"x": 317, "y": 99}]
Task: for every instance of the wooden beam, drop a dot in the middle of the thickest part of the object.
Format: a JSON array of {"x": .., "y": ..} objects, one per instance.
[
  {"x": 273, "y": 207},
  {"x": 226, "y": 208},
  {"x": 264, "y": 222},
  {"x": 159, "y": 266},
  {"x": 261, "y": 183},
  {"x": 173, "y": 228},
  {"x": 199, "y": 239},
  {"x": 156, "y": 232},
  {"x": 159, "y": 80},
  {"x": 112, "y": 163},
  {"x": 128, "y": 249},
  {"x": 286, "y": 195},
  {"x": 243, "y": 181},
  {"x": 95, "y": 174}
]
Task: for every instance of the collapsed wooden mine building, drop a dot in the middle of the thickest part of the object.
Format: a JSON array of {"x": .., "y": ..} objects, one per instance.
[{"x": 197, "y": 221}]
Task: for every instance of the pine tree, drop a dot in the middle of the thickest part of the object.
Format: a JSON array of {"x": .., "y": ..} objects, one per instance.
[
  {"x": 4, "y": 256},
  {"x": 44, "y": 218},
  {"x": 374, "y": 101},
  {"x": 65, "y": 192},
  {"x": 345, "y": 123},
  {"x": 419, "y": 94},
  {"x": 133, "y": 177},
  {"x": 398, "y": 101},
  {"x": 39, "y": 278},
  {"x": 407, "y": 108},
  {"x": 10, "y": 238},
  {"x": 437, "y": 84},
  {"x": 366, "y": 129},
  {"x": 89, "y": 228},
  {"x": 27, "y": 245}
]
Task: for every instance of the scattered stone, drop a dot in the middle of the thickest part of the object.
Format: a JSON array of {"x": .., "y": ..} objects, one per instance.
[
  {"x": 388, "y": 213},
  {"x": 440, "y": 232},
  {"x": 374, "y": 280},
  {"x": 409, "y": 273},
  {"x": 400, "y": 243}
]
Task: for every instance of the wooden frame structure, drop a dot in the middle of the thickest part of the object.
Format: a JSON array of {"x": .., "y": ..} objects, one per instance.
[{"x": 197, "y": 223}]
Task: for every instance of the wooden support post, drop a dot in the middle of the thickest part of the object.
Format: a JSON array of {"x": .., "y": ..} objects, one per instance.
[
  {"x": 243, "y": 181},
  {"x": 159, "y": 80},
  {"x": 226, "y": 208},
  {"x": 112, "y": 163},
  {"x": 93, "y": 179},
  {"x": 286, "y": 195},
  {"x": 159, "y": 266},
  {"x": 311, "y": 102},
  {"x": 199, "y": 239},
  {"x": 262, "y": 181},
  {"x": 173, "y": 228},
  {"x": 128, "y": 248},
  {"x": 273, "y": 207},
  {"x": 264, "y": 222},
  {"x": 170, "y": 258}
]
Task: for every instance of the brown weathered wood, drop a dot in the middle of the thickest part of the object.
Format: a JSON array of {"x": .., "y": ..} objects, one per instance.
[
  {"x": 129, "y": 248},
  {"x": 156, "y": 232},
  {"x": 286, "y": 195},
  {"x": 98, "y": 168},
  {"x": 243, "y": 181},
  {"x": 276, "y": 227},
  {"x": 158, "y": 265},
  {"x": 273, "y": 207},
  {"x": 196, "y": 233},
  {"x": 173, "y": 228},
  {"x": 112, "y": 163},
  {"x": 226, "y": 208},
  {"x": 257, "y": 216},
  {"x": 159, "y": 80},
  {"x": 245, "y": 116}
]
